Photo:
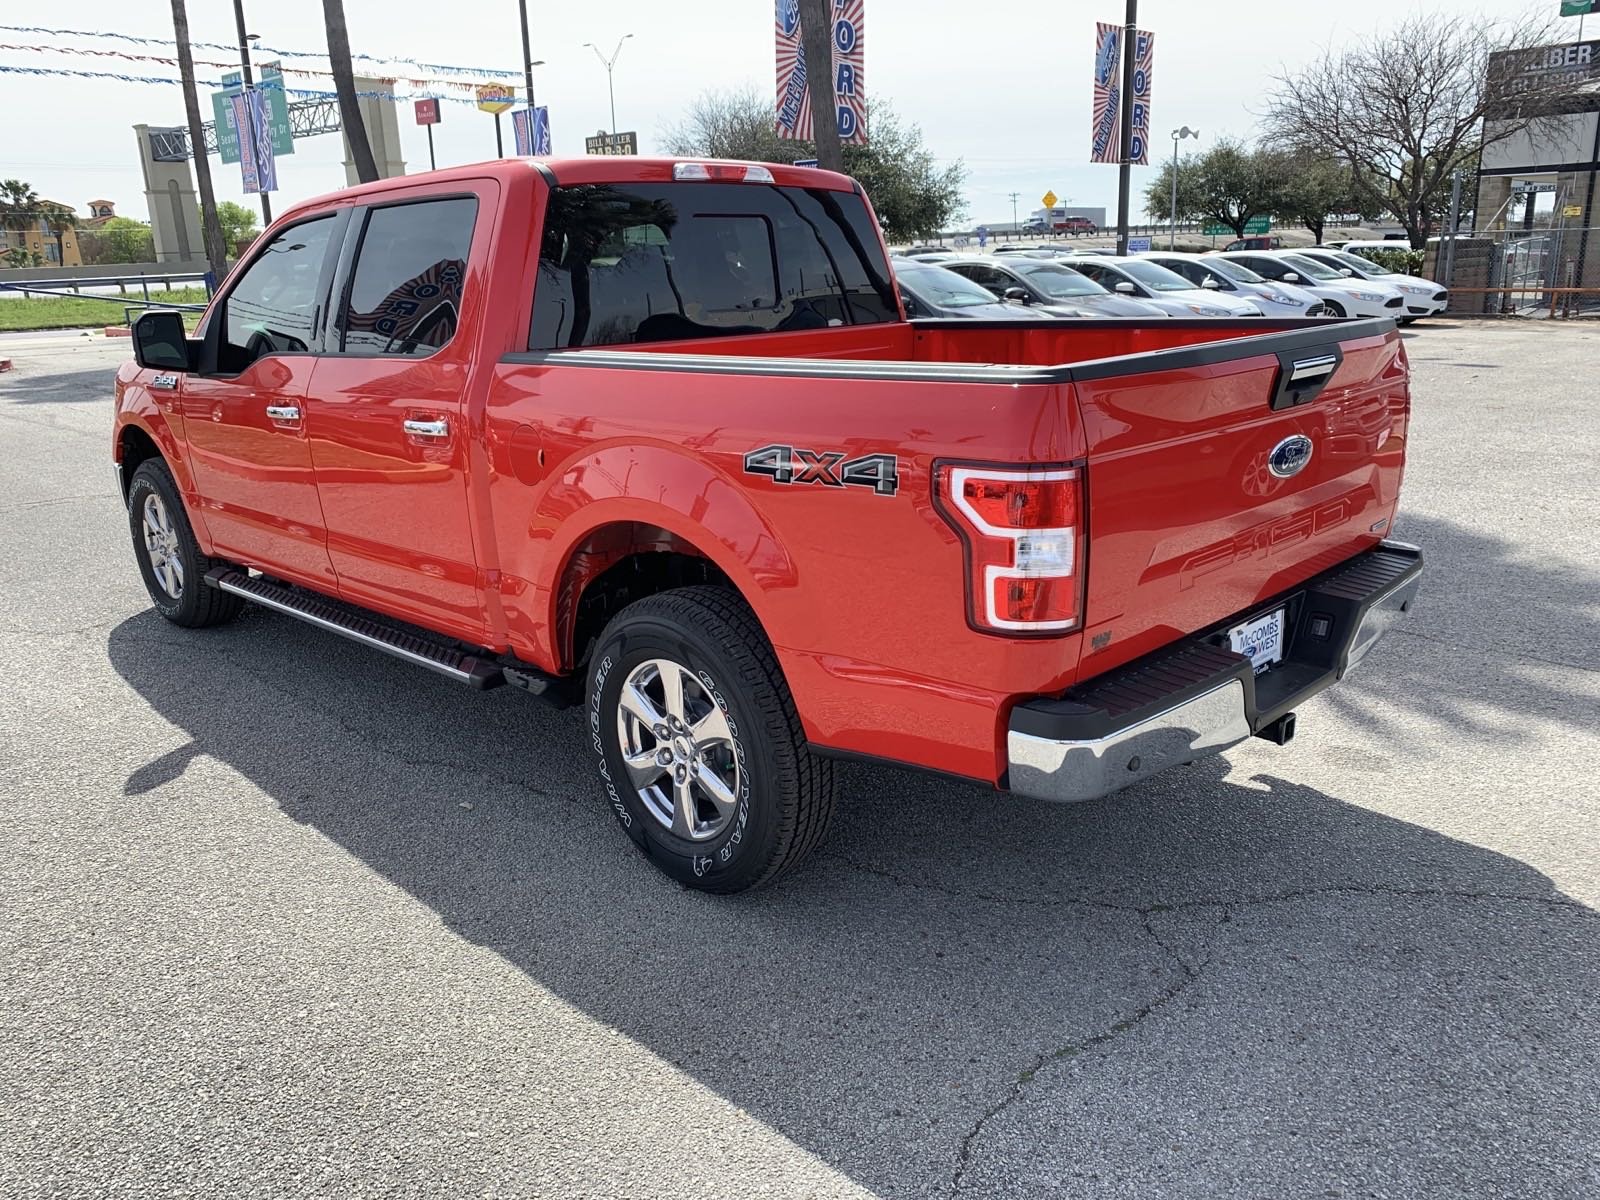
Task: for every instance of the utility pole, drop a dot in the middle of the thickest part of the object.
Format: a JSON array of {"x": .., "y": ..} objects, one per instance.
[
  {"x": 816, "y": 36},
  {"x": 1014, "y": 198},
  {"x": 216, "y": 248},
  {"x": 249, "y": 86},
  {"x": 527, "y": 67},
  {"x": 1124, "y": 171}
]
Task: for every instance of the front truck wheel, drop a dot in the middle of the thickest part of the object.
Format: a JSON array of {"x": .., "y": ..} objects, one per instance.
[
  {"x": 169, "y": 557},
  {"x": 698, "y": 744}
]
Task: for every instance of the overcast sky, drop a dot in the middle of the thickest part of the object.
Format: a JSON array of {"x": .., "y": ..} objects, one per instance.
[{"x": 1002, "y": 84}]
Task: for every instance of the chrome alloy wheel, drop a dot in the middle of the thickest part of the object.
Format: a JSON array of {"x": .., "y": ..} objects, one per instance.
[
  {"x": 678, "y": 749},
  {"x": 161, "y": 544}
]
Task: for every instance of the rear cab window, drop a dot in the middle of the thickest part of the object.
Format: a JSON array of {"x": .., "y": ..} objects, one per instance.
[
  {"x": 405, "y": 292},
  {"x": 648, "y": 262}
]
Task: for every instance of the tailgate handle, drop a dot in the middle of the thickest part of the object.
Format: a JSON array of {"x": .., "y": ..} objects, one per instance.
[
  {"x": 1302, "y": 375},
  {"x": 1305, "y": 368}
]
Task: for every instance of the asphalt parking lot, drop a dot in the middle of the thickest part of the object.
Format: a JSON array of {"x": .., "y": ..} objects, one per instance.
[{"x": 282, "y": 916}]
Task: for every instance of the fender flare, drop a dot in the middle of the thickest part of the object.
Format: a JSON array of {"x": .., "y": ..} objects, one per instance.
[
  {"x": 140, "y": 411},
  {"x": 665, "y": 487}
]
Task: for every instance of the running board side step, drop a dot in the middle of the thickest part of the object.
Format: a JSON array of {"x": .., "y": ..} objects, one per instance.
[{"x": 367, "y": 629}]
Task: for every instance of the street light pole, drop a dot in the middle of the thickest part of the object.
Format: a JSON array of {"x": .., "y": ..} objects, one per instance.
[
  {"x": 1172, "y": 213},
  {"x": 608, "y": 64},
  {"x": 527, "y": 56},
  {"x": 249, "y": 86}
]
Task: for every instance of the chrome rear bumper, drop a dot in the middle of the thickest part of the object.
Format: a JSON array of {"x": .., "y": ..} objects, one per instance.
[{"x": 1109, "y": 733}]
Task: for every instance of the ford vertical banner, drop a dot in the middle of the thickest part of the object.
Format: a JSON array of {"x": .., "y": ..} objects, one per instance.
[
  {"x": 848, "y": 70},
  {"x": 1103, "y": 141},
  {"x": 532, "y": 136},
  {"x": 239, "y": 103},
  {"x": 1105, "y": 136},
  {"x": 1144, "y": 47}
]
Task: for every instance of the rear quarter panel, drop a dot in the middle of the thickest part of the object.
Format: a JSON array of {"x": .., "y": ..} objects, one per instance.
[{"x": 863, "y": 595}]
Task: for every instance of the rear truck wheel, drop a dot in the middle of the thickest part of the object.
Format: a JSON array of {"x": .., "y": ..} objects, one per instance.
[
  {"x": 698, "y": 744},
  {"x": 169, "y": 557}
]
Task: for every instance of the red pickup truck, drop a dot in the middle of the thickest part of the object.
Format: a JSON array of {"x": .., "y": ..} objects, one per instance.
[{"x": 654, "y": 437}]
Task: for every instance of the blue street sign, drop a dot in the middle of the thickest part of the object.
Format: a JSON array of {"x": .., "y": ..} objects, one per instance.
[
  {"x": 1140, "y": 245},
  {"x": 805, "y": 162}
]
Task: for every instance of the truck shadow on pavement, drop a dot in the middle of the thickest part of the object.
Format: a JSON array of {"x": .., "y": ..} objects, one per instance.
[{"x": 1220, "y": 980}]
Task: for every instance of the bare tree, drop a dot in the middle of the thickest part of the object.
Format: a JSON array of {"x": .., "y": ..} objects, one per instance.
[
  {"x": 1406, "y": 107},
  {"x": 816, "y": 34},
  {"x": 216, "y": 248},
  {"x": 344, "y": 84}
]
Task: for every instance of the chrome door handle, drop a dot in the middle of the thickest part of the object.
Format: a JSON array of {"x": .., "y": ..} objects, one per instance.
[
  {"x": 429, "y": 429},
  {"x": 283, "y": 412}
]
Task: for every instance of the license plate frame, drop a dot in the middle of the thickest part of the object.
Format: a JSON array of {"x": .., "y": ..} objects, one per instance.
[{"x": 1261, "y": 638}]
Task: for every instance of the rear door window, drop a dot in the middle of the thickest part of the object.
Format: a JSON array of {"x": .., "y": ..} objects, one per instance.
[
  {"x": 405, "y": 291},
  {"x": 623, "y": 264}
]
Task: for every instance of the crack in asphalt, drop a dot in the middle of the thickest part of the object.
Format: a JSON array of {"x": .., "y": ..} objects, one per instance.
[{"x": 1188, "y": 975}]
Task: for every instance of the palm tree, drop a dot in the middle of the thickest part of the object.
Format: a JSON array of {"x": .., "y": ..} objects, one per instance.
[
  {"x": 216, "y": 247},
  {"x": 57, "y": 220},
  {"x": 19, "y": 207},
  {"x": 344, "y": 83}
]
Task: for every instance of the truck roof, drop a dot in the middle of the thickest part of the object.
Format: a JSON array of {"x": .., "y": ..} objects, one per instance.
[{"x": 593, "y": 168}]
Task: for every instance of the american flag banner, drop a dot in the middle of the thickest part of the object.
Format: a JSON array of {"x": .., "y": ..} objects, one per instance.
[
  {"x": 1104, "y": 141},
  {"x": 848, "y": 70}
]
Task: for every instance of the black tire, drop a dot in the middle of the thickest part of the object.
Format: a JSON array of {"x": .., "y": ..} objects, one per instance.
[
  {"x": 785, "y": 793},
  {"x": 195, "y": 605},
  {"x": 1334, "y": 309}
]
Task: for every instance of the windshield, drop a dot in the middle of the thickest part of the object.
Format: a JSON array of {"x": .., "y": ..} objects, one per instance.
[
  {"x": 1054, "y": 280},
  {"x": 1310, "y": 267},
  {"x": 943, "y": 288},
  {"x": 1235, "y": 271},
  {"x": 1356, "y": 263},
  {"x": 1154, "y": 277}
]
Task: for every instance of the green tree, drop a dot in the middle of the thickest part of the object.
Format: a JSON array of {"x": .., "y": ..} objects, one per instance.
[
  {"x": 238, "y": 225},
  {"x": 1228, "y": 183},
  {"x": 119, "y": 240},
  {"x": 1315, "y": 187},
  {"x": 19, "y": 206},
  {"x": 912, "y": 194}
]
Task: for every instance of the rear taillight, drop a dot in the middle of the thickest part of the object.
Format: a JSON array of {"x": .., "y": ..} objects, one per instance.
[
  {"x": 1023, "y": 532},
  {"x": 721, "y": 172}
]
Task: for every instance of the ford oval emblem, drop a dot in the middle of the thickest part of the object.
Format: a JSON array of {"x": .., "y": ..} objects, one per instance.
[
  {"x": 789, "y": 16},
  {"x": 1290, "y": 456}
]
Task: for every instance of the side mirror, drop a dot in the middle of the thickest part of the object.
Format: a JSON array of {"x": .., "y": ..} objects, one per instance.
[
  {"x": 160, "y": 341},
  {"x": 1289, "y": 277},
  {"x": 1124, "y": 287},
  {"x": 1210, "y": 283},
  {"x": 1020, "y": 295},
  {"x": 1346, "y": 272}
]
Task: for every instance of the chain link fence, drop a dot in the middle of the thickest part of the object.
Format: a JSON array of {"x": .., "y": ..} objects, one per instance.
[{"x": 1546, "y": 271}]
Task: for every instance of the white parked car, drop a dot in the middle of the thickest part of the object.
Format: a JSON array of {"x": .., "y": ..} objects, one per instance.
[
  {"x": 1345, "y": 296},
  {"x": 1424, "y": 297},
  {"x": 1170, "y": 292},
  {"x": 1215, "y": 273}
]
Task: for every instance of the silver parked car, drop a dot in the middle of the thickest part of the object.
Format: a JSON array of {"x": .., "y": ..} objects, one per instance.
[
  {"x": 1049, "y": 286},
  {"x": 1224, "y": 275},
  {"x": 1165, "y": 289}
]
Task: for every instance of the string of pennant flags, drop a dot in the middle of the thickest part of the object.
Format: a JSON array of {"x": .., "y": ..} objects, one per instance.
[
  {"x": 307, "y": 72},
  {"x": 438, "y": 68},
  {"x": 265, "y": 85}
]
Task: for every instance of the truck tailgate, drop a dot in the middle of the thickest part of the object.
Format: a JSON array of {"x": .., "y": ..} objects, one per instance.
[{"x": 1222, "y": 474}]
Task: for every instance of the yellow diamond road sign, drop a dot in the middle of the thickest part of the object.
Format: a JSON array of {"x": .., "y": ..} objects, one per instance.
[{"x": 1049, "y": 199}]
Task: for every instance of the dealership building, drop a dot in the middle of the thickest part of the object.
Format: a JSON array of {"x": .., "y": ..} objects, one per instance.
[{"x": 1536, "y": 186}]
